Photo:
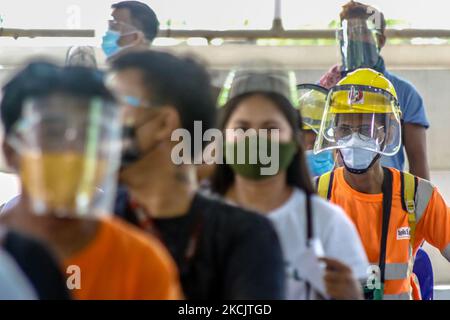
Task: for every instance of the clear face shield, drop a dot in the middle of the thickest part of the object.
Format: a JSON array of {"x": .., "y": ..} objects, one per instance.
[
  {"x": 358, "y": 43},
  {"x": 259, "y": 77},
  {"x": 311, "y": 103},
  {"x": 360, "y": 117},
  {"x": 69, "y": 150}
]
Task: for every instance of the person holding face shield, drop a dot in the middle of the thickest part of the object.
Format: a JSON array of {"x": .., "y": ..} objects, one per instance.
[
  {"x": 134, "y": 26},
  {"x": 394, "y": 212},
  {"x": 359, "y": 42},
  {"x": 361, "y": 37},
  {"x": 311, "y": 104},
  {"x": 63, "y": 138}
]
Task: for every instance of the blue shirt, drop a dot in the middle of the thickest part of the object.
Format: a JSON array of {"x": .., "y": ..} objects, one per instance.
[{"x": 413, "y": 111}]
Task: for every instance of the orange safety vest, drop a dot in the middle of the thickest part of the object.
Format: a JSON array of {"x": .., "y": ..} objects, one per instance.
[{"x": 410, "y": 197}]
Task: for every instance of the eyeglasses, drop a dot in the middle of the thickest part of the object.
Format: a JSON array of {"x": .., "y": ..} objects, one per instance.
[
  {"x": 122, "y": 27},
  {"x": 365, "y": 132}
]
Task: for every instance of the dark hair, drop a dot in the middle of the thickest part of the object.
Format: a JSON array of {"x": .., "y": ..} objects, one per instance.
[
  {"x": 355, "y": 9},
  {"x": 41, "y": 79},
  {"x": 180, "y": 82},
  {"x": 142, "y": 16},
  {"x": 297, "y": 172}
]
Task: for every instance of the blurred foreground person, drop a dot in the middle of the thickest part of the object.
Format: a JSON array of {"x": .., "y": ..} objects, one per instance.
[
  {"x": 394, "y": 211},
  {"x": 222, "y": 252},
  {"x": 323, "y": 255},
  {"x": 62, "y": 130}
]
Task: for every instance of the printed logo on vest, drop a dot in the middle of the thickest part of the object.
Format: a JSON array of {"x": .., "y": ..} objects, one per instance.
[{"x": 403, "y": 233}]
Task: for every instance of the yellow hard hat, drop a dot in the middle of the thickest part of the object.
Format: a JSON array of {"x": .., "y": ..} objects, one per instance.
[
  {"x": 364, "y": 91},
  {"x": 368, "y": 77},
  {"x": 311, "y": 104},
  {"x": 366, "y": 97}
]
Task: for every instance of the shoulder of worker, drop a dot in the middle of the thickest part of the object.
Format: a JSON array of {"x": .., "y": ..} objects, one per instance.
[
  {"x": 330, "y": 219},
  {"x": 325, "y": 209},
  {"x": 419, "y": 179}
]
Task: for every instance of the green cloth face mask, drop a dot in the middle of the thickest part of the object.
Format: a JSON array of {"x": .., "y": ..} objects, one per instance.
[{"x": 253, "y": 163}]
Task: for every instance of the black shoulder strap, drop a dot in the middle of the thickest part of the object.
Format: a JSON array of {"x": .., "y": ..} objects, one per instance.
[
  {"x": 402, "y": 190},
  {"x": 387, "y": 204}
]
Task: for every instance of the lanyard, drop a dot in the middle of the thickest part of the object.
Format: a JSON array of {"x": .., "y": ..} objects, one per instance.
[
  {"x": 146, "y": 223},
  {"x": 387, "y": 205},
  {"x": 309, "y": 238}
]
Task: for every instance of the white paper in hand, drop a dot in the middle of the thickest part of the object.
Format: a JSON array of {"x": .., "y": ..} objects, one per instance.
[{"x": 311, "y": 269}]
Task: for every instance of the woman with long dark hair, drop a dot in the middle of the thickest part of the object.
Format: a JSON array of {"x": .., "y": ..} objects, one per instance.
[{"x": 306, "y": 224}]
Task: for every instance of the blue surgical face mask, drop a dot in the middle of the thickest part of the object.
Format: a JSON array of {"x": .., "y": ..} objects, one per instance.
[
  {"x": 320, "y": 163},
  {"x": 110, "y": 43}
]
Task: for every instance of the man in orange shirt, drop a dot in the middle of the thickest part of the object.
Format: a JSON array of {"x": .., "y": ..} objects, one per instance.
[
  {"x": 62, "y": 132},
  {"x": 394, "y": 212}
]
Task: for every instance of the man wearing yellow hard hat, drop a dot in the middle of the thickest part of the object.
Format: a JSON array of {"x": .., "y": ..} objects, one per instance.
[
  {"x": 394, "y": 212},
  {"x": 361, "y": 37}
]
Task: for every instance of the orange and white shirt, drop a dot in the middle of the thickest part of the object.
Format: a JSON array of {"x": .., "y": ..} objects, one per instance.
[{"x": 366, "y": 211}]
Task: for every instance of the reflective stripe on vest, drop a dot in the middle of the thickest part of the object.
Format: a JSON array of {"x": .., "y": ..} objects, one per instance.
[
  {"x": 417, "y": 194},
  {"x": 423, "y": 195},
  {"x": 395, "y": 271},
  {"x": 400, "y": 296}
]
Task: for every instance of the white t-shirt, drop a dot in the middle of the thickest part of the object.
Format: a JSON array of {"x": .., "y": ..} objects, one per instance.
[{"x": 331, "y": 226}]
